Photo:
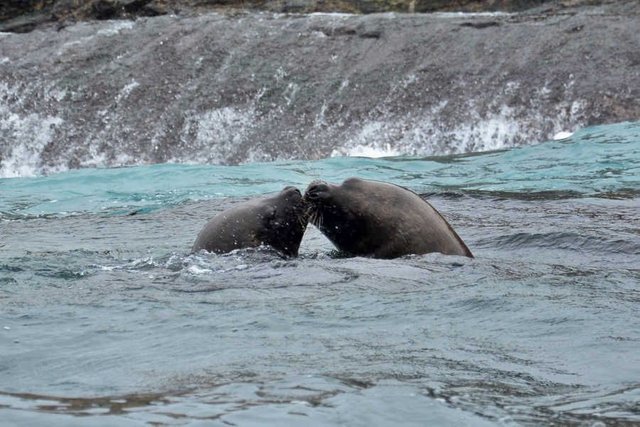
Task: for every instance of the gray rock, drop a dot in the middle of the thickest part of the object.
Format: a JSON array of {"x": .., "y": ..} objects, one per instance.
[
  {"x": 25, "y": 15},
  {"x": 226, "y": 88}
]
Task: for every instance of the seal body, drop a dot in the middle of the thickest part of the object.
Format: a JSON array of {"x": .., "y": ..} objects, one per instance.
[
  {"x": 380, "y": 220},
  {"x": 278, "y": 221}
]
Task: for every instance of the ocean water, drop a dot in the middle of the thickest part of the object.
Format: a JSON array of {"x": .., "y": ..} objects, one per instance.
[{"x": 107, "y": 319}]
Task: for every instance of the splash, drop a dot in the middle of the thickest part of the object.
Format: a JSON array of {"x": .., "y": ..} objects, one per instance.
[{"x": 17, "y": 158}]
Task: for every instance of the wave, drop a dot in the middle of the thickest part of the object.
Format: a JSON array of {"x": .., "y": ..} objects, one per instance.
[{"x": 565, "y": 241}]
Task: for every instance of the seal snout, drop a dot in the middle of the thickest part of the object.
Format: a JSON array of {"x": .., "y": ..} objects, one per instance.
[
  {"x": 317, "y": 191},
  {"x": 290, "y": 189}
]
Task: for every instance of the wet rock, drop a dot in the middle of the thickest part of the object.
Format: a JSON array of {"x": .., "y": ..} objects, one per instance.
[
  {"x": 10, "y": 9},
  {"x": 25, "y": 15},
  {"x": 21, "y": 16},
  {"x": 106, "y": 9},
  {"x": 24, "y": 24},
  {"x": 231, "y": 88}
]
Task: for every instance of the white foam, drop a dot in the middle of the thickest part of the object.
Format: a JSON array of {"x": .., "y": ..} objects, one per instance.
[
  {"x": 369, "y": 143},
  {"x": 562, "y": 135},
  {"x": 126, "y": 91},
  {"x": 218, "y": 132},
  {"x": 366, "y": 151},
  {"x": 450, "y": 15},
  {"x": 492, "y": 133},
  {"x": 319, "y": 34},
  {"x": 332, "y": 14},
  {"x": 424, "y": 135},
  {"x": 290, "y": 92},
  {"x": 24, "y": 160},
  {"x": 29, "y": 135},
  {"x": 197, "y": 270},
  {"x": 280, "y": 74},
  {"x": 115, "y": 28}
]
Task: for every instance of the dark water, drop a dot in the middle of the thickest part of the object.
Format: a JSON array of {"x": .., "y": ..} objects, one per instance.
[{"x": 106, "y": 319}]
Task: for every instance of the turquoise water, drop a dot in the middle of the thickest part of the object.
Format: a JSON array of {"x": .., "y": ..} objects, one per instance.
[
  {"x": 105, "y": 317},
  {"x": 593, "y": 162}
]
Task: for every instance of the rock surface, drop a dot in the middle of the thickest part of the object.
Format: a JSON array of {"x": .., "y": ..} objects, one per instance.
[
  {"x": 25, "y": 15},
  {"x": 236, "y": 87}
]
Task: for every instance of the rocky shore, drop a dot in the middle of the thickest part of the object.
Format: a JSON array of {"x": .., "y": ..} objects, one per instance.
[
  {"x": 26, "y": 15},
  {"x": 232, "y": 86}
]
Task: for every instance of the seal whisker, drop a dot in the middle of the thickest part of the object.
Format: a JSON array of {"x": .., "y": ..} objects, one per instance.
[
  {"x": 319, "y": 220},
  {"x": 303, "y": 221},
  {"x": 315, "y": 219}
]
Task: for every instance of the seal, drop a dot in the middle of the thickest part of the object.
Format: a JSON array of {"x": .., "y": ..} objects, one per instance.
[
  {"x": 278, "y": 221},
  {"x": 380, "y": 220}
]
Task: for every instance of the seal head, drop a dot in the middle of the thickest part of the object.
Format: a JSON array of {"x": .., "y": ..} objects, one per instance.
[{"x": 278, "y": 221}]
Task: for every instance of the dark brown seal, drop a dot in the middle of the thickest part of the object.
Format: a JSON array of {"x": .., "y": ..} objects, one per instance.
[
  {"x": 278, "y": 221},
  {"x": 380, "y": 220}
]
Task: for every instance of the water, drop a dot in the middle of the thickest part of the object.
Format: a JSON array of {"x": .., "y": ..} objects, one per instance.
[{"x": 105, "y": 317}]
